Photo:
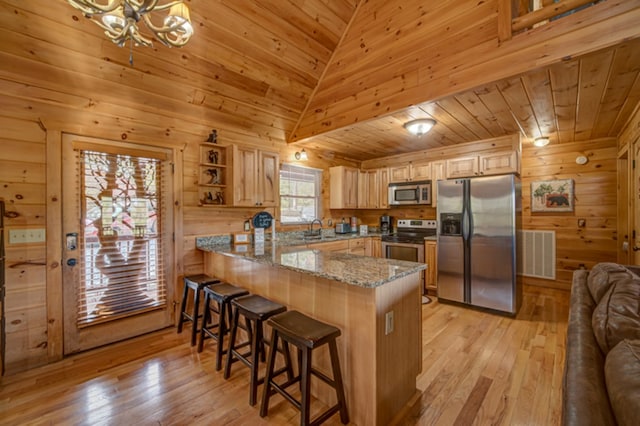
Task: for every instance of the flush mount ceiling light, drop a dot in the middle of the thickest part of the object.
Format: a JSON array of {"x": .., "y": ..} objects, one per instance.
[
  {"x": 541, "y": 141},
  {"x": 119, "y": 20},
  {"x": 420, "y": 126},
  {"x": 301, "y": 155}
]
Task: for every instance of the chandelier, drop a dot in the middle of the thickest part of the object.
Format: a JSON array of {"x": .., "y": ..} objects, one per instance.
[{"x": 119, "y": 20}]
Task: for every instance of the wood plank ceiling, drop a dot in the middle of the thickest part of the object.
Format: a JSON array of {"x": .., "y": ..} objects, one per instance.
[{"x": 256, "y": 65}]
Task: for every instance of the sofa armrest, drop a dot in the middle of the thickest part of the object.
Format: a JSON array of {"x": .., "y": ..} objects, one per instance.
[{"x": 585, "y": 398}]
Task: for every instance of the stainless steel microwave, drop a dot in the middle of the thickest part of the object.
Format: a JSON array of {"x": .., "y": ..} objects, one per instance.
[{"x": 410, "y": 193}]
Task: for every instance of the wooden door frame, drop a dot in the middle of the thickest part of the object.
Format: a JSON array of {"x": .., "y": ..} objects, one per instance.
[{"x": 56, "y": 256}]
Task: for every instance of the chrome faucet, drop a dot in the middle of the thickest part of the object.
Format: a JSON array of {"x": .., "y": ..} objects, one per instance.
[{"x": 311, "y": 226}]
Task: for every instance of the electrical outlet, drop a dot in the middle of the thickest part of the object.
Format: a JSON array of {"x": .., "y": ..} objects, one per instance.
[
  {"x": 24, "y": 236},
  {"x": 388, "y": 322}
]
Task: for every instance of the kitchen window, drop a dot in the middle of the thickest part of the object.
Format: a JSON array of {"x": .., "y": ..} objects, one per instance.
[{"x": 299, "y": 194}]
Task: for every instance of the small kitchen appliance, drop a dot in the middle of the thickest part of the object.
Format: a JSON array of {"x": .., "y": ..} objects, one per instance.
[
  {"x": 343, "y": 228},
  {"x": 385, "y": 225},
  {"x": 410, "y": 193}
]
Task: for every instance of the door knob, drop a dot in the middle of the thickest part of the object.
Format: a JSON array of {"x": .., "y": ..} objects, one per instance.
[{"x": 636, "y": 248}]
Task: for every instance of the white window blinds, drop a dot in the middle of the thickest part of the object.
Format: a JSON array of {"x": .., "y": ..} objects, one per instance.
[{"x": 299, "y": 194}]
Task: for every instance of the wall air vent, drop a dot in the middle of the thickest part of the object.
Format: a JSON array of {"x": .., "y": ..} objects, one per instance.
[{"x": 537, "y": 254}]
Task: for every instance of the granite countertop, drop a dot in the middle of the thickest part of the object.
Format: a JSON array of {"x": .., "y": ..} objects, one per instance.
[{"x": 362, "y": 271}]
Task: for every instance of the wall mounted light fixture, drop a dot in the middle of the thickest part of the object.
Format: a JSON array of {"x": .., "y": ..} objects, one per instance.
[
  {"x": 301, "y": 155},
  {"x": 541, "y": 141},
  {"x": 420, "y": 126}
]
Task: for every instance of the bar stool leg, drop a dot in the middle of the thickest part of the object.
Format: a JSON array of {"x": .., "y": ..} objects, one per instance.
[
  {"x": 183, "y": 306},
  {"x": 256, "y": 353},
  {"x": 196, "y": 309},
  {"x": 266, "y": 394},
  {"x": 206, "y": 317},
  {"x": 337, "y": 378},
  {"x": 305, "y": 387},
  {"x": 222, "y": 330},
  {"x": 232, "y": 343}
]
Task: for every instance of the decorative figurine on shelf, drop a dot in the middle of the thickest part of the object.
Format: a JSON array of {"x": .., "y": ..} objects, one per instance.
[
  {"x": 213, "y": 156},
  {"x": 219, "y": 198},
  {"x": 213, "y": 136},
  {"x": 208, "y": 198},
  {"x": 215, "y": 177}
]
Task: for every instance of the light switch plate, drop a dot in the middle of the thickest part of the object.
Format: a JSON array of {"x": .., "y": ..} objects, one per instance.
[{"x": 25, "y": 236}]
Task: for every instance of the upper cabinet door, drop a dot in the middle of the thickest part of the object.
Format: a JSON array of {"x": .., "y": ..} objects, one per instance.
[
  {"x": 245, "y": 176},
  {"x": 399, "y": 173},
  {"x": 462, "y": 167},
  {"x": 499, "y": 163},
  {"x": 269, "y": 179},
  {"x": 421, "y": 171},
  {"x": 343, "y": 191}
]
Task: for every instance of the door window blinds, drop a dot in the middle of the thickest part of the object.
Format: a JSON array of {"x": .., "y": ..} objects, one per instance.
[{"x": 122, "y": 271}]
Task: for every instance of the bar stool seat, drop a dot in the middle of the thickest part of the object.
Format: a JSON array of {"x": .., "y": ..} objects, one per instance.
[
  {"x": 195, "y": 283},
  {"x": 221, "y": 295},
  {"x": 306, "y": 334},
  {"x": 255, "y": 310}
]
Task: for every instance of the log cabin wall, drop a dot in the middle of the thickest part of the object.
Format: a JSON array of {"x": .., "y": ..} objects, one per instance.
[
  {"x": 23, "y": 186},
  {"x": 595, "y": 201}
]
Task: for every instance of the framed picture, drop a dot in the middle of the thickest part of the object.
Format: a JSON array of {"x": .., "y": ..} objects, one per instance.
[{"x": 552, "y": 196}]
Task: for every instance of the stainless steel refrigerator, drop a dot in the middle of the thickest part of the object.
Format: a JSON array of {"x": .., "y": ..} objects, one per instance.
[{"x": 478, "y": 223}]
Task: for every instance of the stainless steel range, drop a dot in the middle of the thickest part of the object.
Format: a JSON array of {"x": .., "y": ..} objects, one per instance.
[{"x": 407, "y": 242}]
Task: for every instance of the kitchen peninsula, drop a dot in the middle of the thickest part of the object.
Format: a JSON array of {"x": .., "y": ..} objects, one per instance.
[{"x": 380, "y": 358}]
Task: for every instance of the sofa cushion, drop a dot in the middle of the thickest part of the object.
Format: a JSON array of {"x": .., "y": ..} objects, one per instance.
[
  {"x": 617, "y": 315},
  {"x": 622, "y": 374},
  {"x": 601, "y": 277}
]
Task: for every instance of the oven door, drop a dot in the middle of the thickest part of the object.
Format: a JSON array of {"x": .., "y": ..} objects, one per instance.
[{"x": 403, "y": 251}]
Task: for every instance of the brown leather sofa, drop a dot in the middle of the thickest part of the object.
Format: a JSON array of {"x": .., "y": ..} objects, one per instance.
[{"x": 601, "y": 384}]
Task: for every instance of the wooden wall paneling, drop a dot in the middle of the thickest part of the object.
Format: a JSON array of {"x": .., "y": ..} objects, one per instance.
[
  {"x": 624, "y": 71},
  {"x": 24, "y": 154},
  {"x": 55, "y": 243},
  {"x": 563, "y": 77},
  {"x": 594, "y": 72},
  {"x": 595, "y": 201},
  {"x": 537, "y": 85},
  {"x": 573, "y": 35},
  {"x": 178, "y": 231}
]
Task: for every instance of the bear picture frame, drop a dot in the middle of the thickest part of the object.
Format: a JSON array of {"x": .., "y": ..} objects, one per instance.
[{"x": 552, "y": 196}]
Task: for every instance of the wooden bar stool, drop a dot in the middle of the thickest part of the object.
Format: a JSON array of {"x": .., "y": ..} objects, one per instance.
[
  {"x": 255, "y": 310},
  {"x": 196, "y": 283},
  {"x": 217, "y": 299},
  {"x": 306, "y": 334}
]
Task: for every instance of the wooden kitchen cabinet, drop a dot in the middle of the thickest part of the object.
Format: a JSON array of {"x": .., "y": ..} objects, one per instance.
[
  {"x": 431, "y": 259},
  {"x": 383, "y": 188},
  {"x": 373, "y": 247},
  {"x": 343, "y": 187},
  {"x": 357, "y": 246},
  {"x": 438, "y": 172},
  {"x": 410, "y": 172},
  {"x": 255, "y": 177},
  {"x": 368, "y": 189},
  {"x": 498, "y": 163},
  {"x": 483, "y": 165},
  {"x": 339, "y": 246}
]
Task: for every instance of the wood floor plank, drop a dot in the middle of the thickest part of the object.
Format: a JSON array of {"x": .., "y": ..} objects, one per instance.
[{"x": 478, "y": 368}]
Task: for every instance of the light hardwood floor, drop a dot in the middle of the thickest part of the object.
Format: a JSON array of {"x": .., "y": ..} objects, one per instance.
[{"x": 478, "y": 368}]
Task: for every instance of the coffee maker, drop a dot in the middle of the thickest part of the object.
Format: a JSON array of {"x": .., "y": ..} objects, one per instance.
[{"x": 385, "y": 224}]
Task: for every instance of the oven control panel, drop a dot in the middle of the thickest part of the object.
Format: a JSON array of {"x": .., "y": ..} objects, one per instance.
[{"x": 417, "y": 223}]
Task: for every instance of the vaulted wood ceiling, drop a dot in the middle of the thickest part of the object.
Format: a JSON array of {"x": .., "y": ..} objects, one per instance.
[{"x": 265, "y": 68}]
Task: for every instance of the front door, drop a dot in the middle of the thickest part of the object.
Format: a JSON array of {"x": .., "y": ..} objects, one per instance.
[{"x": 118, "y": 225}]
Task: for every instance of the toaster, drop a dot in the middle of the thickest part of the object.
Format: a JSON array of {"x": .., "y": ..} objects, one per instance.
[{"x": 343, "y": 228}]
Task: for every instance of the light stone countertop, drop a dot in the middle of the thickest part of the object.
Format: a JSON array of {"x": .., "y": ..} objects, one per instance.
[{"x": 362, "y": 271}]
